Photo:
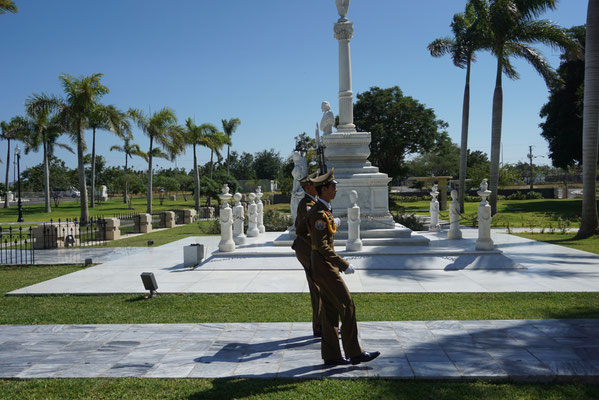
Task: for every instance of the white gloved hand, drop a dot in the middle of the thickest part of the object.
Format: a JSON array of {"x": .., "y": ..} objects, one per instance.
[
  {"x": 337, "y": 221},
  {"x": 349, "y": 270}
]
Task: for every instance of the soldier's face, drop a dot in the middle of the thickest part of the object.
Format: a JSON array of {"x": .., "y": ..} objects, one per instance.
[{"x": 329, "y": 192}]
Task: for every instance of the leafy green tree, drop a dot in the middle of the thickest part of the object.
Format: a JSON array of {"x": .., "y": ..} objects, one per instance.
[
  {"x": 130, "y": 150},
  {"x": 563, "y": 111},
  {"x": 162, "y": 129},
  {"x": 478, "y": 168},
  {"x": 267, "y": 164},
  {"x": 399, "y": 125},
  {"x": 40, "y": 129},
  {"x": 81, "y": 96},
  {"x": 467, "y": 38},
  {"x": 511, "y": 28},
  {"x": 441, "y": 161},
  {"x": 242, "y": 166},
  {"x": 589, "y": 224},
  {"x": 60, "y": 177},
  {"x": 229, "y": 127}
]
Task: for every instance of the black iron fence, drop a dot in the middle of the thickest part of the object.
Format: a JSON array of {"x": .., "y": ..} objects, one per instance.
[
  {"x": 72, "y": 233},
  {"x": 16, "y": 246}
]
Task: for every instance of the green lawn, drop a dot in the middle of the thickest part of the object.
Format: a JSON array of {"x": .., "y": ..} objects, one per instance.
[
  {"x": 330, "y": 389},
  {"x": 565, "y": 239},
  {"x": 518, "y": 213}
]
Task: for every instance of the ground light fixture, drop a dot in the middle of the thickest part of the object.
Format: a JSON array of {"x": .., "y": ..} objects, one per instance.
[{"x": 149, "y": 281}]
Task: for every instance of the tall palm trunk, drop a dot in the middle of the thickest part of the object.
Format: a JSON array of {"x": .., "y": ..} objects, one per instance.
[
  {"x": 7, "y": 172},
  {"x": 126, "y": 180},
  {"x": 228, "y": 158},
  {"x": 196, "y": 177},
  {"x": 589, "y": 224},
  {"x": 93, "y": 183},
  {"x": 211, "y": 162},
  {"x": 46, "y": 179},
  {"x": 496, "y": 134},
  {"x": 149, "y": 196},
  {"x": 82, "y": 183},
  {"x": 464, "y": 143}
]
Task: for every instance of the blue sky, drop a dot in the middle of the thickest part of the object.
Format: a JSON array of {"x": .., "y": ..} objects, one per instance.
[{"x": 268, "y": 62}]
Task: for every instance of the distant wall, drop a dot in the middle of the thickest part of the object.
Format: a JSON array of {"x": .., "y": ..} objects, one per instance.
[{"x": 248, "y": 186}]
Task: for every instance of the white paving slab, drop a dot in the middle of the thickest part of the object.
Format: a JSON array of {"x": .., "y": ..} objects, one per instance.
[{"x": 518, "y": 264}]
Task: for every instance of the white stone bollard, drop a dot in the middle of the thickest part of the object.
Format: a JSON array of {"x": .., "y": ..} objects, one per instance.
[
  {"x": 113, "y": 231},
  {"x": 226, "y": 222},
  {"x": 252, "y": 217},
  {"x": 238, "y": 220},
  {"x": 260, "y": 210},
  {"x": 454, "y": 217},
  {"x": 169, "y": 219},
  {"x": 188, "y": 215},
  {"x": 484, "y": 241},
  {"x": 434, "y": 210},
  {"x": 354, "y": 243}
]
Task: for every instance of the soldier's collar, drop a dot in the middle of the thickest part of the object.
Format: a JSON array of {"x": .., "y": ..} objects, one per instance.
[
  {"x": 326, "y": 203},
  {"x": 312, "y": 197}
]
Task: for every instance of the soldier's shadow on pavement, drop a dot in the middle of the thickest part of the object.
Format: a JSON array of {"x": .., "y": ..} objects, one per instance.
[{"x": 244, "y": 352}]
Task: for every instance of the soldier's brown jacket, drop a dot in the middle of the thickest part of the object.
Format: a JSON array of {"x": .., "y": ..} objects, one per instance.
[
  {"x": 322, "y": 229},
  {"x": 301, "y": 219}
]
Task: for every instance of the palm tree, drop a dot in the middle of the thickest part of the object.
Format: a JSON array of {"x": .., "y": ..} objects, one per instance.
[
  {"x": 82, "y": 94},
  {"x": 198, "y": 135},
  {"x": 589, "y": 225},
  {"x": 229, "y": 128},
  {"x": 130, "y": 150},
  {"x": 467, "y": 39},
  {"x": 107, "y": 118},
  {"x": 511, "y": 28},
  {"x": 8, "y": 6},
  {"x": 42, "y": 129},
  {"x": 161, "y": 127},
  {"x": 10, "y": 132},
  {"x": 215, "y": 140}
]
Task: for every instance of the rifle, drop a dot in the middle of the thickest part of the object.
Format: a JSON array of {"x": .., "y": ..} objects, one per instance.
[{"x": 322, "y": 166}]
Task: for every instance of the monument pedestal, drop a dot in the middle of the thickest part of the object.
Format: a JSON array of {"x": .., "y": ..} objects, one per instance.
[{"x": 347, "y": 152}]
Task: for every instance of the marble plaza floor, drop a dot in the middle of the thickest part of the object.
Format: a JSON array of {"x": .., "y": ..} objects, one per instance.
[
  {"x": 517, "y": 264},
  {"x": 518, "y": 350}
]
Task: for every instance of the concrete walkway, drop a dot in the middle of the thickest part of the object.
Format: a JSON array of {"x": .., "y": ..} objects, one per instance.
[
  {"x": 516, "y": 264},
  {"x": 529, "y": 350}
]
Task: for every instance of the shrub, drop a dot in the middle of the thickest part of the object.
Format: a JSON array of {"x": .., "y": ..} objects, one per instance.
[
  {"x": 516, "y": 196},
  {"x": 533, "y": 196},
  {"x": 410, "y": 221},
  {"x": 275, "y": 221},
  {"x": 210, "y": 227}
]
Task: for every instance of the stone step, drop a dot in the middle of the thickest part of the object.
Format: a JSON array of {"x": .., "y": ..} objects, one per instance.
[{"x": 414, "y": 240}]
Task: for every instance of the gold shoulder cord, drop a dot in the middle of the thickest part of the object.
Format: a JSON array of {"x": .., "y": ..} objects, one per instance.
[{"x": 330, "y": 224}]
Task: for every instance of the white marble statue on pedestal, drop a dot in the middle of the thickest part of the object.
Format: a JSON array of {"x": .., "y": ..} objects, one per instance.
[
  {"x": 226, "y": 222},
  {"x": 354, "y": 243},
  {"x": 328, "y": 118},
  {"x": 260, "y": 210},
  {"x": 454, "y": 217},
  {"x": 238, "y": 220},
  {"x": 252, "y": 217},
  {"x": 300, "y": 170},
  {"x": 484, "y": 241},
  {"x": 434, "y": 210}
]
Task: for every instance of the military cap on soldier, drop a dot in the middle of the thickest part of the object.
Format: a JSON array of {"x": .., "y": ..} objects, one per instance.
[
  {"x": 325, "y": 179},
  {"x": 307, "y": 180}
]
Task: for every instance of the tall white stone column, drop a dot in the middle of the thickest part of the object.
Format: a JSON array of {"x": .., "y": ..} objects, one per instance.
[
  {"x": 454, "y": 217},
  {"x": 344, "y": 30}
]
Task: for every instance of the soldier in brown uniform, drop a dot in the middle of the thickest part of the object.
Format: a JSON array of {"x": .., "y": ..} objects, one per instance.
[
  {"x": 326, "y": 264},
  {"x": 302, "y": 248}
]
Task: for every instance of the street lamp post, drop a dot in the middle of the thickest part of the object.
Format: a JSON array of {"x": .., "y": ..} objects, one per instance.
[{"x": 19, "y": 203}]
